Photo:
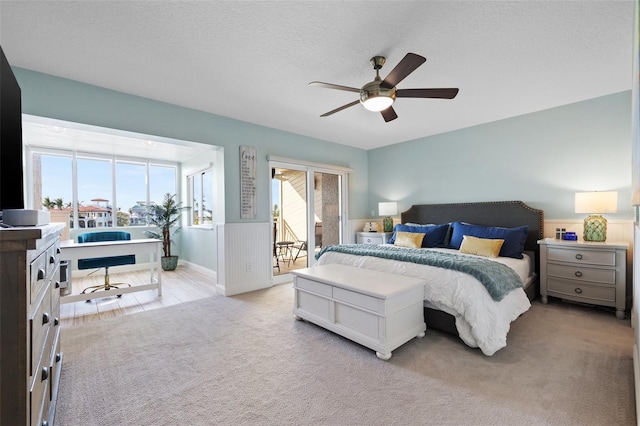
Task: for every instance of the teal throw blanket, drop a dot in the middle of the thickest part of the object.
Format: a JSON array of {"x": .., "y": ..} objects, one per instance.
[{"x": 497, "y": 278}]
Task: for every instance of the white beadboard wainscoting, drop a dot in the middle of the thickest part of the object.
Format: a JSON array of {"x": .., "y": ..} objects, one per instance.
[{"x": 244, "y": 257}]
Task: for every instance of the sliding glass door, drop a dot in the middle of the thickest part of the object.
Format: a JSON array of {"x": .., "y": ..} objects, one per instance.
[{"x": 308, "y": 212}]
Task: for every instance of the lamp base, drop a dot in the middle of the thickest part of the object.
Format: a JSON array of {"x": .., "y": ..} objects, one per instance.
[
  {"x": 387, "y": 224},
  {"x": 595, "y": 228}
]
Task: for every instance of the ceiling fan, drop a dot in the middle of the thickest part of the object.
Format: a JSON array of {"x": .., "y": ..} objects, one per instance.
[{"x": 379, "y": 94}]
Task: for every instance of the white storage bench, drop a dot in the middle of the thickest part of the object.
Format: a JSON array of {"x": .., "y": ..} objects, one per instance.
[{"x": 375, "y": 309}]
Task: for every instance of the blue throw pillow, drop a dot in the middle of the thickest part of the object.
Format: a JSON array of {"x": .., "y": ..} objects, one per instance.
[
  {"x": 434, "y": 234},
  {"x": 514, "y": 238}
]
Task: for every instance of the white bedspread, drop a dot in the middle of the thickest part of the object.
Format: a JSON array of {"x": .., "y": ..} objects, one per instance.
[{"x": 481, "y": 322}]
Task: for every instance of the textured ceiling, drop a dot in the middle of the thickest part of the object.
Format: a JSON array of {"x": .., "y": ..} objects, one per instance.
[{"x": 253, "y": 60}]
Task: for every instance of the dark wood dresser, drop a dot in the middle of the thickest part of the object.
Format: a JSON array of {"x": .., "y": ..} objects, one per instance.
[{"x": 30, "y": 355}]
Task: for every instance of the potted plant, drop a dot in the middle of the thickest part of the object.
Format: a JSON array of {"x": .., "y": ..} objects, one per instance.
[{"x": 166, "y": 217}]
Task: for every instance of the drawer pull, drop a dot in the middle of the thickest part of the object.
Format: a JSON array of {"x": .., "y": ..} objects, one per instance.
[
  {"x": 45, "y": 318},
  {"x": 578, "y": 290},
  {"x": 579, "y": 256},
  {"x": 58, "y": 357},
  {"x": 578, "y": 274},
  {"x": 57, "y": 284},
  {"x": 41, "y": 274},
  {"x": 58, "y": 251},
  {"x": 45, "y": 423},
  {"x": 52, "y": 259},
  {"x": 45, "y": 374},
  {"x": 56, "y": 321}
]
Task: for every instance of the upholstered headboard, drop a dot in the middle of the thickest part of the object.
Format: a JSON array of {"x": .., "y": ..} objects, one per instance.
[{"x": 506, "y": 214}]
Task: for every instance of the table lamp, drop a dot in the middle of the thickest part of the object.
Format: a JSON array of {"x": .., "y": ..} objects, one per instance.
[
  {"x": 387, "y": 209},
  {"x": 595, "y": 204}
]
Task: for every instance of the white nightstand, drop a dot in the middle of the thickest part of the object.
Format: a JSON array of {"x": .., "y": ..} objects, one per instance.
[
  {"x": 372, "y": 237},
  {"x": 584, "y": 271}
]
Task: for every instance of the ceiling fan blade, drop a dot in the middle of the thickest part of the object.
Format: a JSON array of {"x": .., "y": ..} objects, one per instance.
[
  {"x": 427, "y": 93},
  {"x": 406, "y": 66},
  {"x": 333, "y": 86},
  {"x": 340, "y": 108},
  {"x": 389, "y": 114}
]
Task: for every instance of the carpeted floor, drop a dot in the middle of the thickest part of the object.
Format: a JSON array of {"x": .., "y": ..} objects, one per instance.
[{"x": 245, "y": 360}]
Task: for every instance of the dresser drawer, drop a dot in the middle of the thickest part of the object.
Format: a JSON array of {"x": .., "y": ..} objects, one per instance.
[
  {"x": 580, "y": 273},
  {"x": 55, "y": 365},
  {"x": 582, "y": 292},
  {"x": 53, "y": 258},
  {"x": 39, "y": 394},
  {"x": 358, "y": 299},
  {"x": 39, "y": 325},
  {"x": 38, "y": 276},
  {"x": 591, "y": 257},
  {"x": 368, "y": 240}
]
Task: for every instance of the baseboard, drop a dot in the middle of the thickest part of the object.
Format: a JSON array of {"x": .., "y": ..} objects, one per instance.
[
  {"x": 198, "y": 268},
  {"x": 636, "y": 380},
  {"x": 240, "y": 288}
]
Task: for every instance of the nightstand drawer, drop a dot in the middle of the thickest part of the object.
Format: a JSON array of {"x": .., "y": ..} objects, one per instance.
[
  {"x": 368, "y": 240},
  {"x": 373, "y": 237},
  {"x": 580, "y": 273},
  {"x": 582, "y": 292},
  {"x": 591, "y": 257}
]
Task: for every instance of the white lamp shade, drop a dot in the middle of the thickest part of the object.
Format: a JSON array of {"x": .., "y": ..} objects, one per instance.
[
  {"x": 596, "y": 202},
  {"x": 389, "y": 208}
]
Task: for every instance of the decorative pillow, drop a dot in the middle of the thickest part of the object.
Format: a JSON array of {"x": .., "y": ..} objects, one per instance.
[
  {"x": 480, "y": 246},
  {"x": 409, "y": 239},
  {"x": 514, "y": 238},
  {"x": 435, "y": 234}
]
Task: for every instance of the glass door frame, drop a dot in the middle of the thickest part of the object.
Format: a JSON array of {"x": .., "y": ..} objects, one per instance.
[{"x": 311, "y": 168}]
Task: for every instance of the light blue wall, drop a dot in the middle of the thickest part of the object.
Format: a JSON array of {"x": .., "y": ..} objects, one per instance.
[
  {"x": 49, "y": 96},
  {"x": 53, "y": 97},
  {"x": 541, "y": 158}
]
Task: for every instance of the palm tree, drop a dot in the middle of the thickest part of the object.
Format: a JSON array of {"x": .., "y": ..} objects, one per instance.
[
  {"x": 59, "y": 203},
  {"x": 166, "y": 217},
  {"x": 47, "y": 203}
]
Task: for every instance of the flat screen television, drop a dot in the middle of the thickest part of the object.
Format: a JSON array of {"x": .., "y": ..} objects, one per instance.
[{"x": 11, "y": 173}]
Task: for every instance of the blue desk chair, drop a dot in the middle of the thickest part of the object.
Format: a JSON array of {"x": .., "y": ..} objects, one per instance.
[{"x": 105, "y": 262}]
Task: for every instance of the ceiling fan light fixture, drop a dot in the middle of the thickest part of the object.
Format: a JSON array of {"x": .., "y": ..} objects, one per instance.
[
  {"x": 377, "y": 103},
  {"x": 376, "y": 98}
]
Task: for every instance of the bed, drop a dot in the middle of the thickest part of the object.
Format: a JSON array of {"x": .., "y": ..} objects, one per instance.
[{"x": 456, "y": 301}]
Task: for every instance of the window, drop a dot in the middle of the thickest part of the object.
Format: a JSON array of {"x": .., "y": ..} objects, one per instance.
[
  {"x": 131, "y": 190},
  {"x": 101, "y": 182},
  {"x": 201, "y": 189},
  {"x": 53, "y": 186},
  {"x": 94, "y": 193}
]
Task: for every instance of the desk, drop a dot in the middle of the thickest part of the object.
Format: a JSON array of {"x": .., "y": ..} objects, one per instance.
[{"x": 70, "y": 250}]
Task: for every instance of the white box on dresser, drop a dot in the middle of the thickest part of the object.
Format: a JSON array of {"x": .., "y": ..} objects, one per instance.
[
  {"x": 584, "y": 271},
  {"x": 30, "y": 354},
  {"x": 378, "y": 310}
]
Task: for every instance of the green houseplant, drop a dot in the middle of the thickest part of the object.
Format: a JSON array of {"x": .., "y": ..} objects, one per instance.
[{"x": 166, "y": 218}]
